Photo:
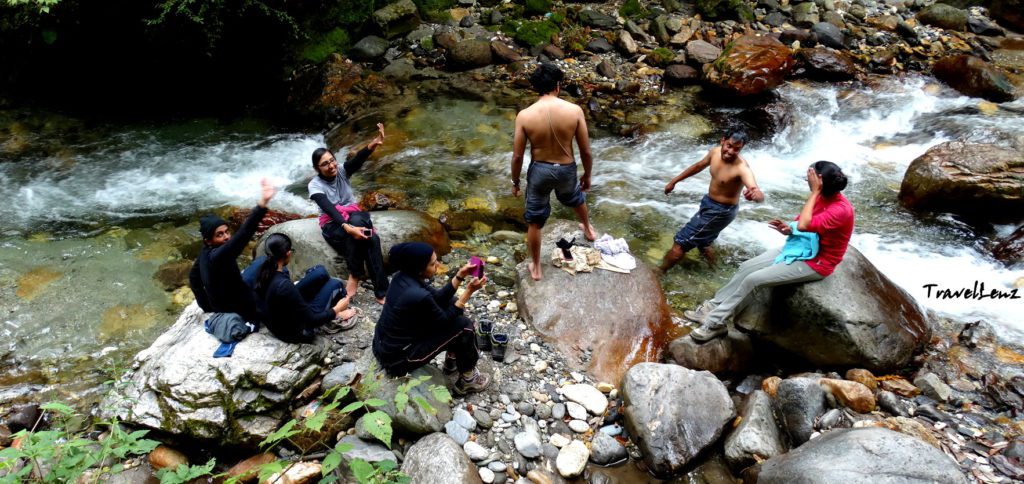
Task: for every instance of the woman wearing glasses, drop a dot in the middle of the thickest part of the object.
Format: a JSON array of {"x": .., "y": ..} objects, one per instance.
[{"x": 344, "y": 224}]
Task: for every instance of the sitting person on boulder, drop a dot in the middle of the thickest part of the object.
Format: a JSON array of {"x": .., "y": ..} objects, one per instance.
[
  {"x": 345, "y": 225},
  {"x": 293, "y": 311},
  {"x": 215, "y": 278},
  {"x": 418, "y": 322},
  {"x": 826, "y": 212}
]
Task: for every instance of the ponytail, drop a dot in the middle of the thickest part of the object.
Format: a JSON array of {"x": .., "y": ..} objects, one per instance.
[
  {"x": 276, "y": 249},
  {"x": 833, "y": 180}
]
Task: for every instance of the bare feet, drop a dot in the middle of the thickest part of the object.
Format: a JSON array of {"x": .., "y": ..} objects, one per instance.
[
  {"x": 589, "y": 232},
  {"x": 351, "y": 285},
  {"x": 709, "y": 256},
  {"x": 380, "y": 300},
  {"x": 535, "y": 271}
]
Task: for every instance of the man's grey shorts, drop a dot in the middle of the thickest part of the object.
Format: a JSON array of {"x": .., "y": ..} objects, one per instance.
[{"x": 543, "y": 177}]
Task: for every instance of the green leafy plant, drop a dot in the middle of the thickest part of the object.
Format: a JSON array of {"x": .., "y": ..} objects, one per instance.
[
  {"x": 317, "y": 50},
  {"x": 631, "y": 9},
  {"x": 575, "y": 37},
  {"x": 62, "y": 455},
  {"x": 533, "y": 33},
  {"x": 660, "y": 57},
  {"x": 537, "y": 7},
  {"x": 184, "y": 473},
  {"x": 44, "y": 5}
]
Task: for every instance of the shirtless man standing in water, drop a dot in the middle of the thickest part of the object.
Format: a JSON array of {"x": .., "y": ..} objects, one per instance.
[
  {"x": 550, "y": 125},
  {"x": 729, "y": 172}
]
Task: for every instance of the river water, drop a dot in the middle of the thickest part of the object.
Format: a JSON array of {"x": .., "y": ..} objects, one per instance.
[{"x": 88, "y": 212}]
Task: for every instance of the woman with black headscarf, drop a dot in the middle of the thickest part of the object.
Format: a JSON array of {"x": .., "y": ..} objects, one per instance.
[{"x": 418, "y": 322}]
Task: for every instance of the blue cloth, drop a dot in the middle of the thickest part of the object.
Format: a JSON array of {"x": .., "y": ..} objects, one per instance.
[
  {"x": 799, "y": 246},
  {"x": 229, "y": 329},
  {"x": 541, "y": 179},
  {"x": 225, "y": 350},
  {"x": 703, "y": 228}
]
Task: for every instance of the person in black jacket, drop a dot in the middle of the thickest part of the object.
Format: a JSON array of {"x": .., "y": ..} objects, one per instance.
[
  {"x": 344, "y": 224},
  {"x": 215, "y": 278},
  {"x": 418, "y": 322},
  {"x": 293, "y": 311}
]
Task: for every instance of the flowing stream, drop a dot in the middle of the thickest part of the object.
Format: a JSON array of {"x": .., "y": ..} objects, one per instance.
[{"x": 89, "y": 213}]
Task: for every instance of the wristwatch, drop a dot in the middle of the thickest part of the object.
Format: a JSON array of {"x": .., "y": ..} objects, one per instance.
[{"x": 515, "y": 183}]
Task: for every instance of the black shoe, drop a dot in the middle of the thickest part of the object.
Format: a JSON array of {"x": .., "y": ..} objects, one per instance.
[
  {"x": 483, "y": 335},
  {"x": 499, "y": 343}
]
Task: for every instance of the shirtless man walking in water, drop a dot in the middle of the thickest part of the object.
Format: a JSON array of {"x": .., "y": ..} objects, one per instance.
[
  {"x": 550, "y": 125},
  {"x": 729, "y": 173}
]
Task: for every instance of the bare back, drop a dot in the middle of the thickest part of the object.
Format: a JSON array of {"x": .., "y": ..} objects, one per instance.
[
  {"x": 726, "y": 178},
  {"x": 550, "y": 125}
]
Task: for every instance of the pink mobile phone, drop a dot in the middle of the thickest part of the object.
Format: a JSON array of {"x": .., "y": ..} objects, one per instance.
[{"x": 479, "y": 263}]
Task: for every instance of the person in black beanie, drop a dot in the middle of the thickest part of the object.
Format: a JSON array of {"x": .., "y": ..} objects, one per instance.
[
  {"x": 418, "y": 322},
  {"x": 215, "y": 278}
]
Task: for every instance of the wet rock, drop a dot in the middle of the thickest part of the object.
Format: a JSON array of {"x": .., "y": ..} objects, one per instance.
[
  {"x": 801, "y": 401},
  {"x": 671, "y": 434},
  {"x": 470, "y": 54},
  {"x": 1009, "y": 13},
  {"x": 900, "y": 387},
  {"x": 775, "y": 19},
  {"x": 729, "y": 355},
  {"x": 393, "y": 227},
  {"x": 503, "y": 54},
  {"x": 863, "y": 377},
  {"x": 598, "y": 20},
  {"x": 397, "y": 18},
  {"x": 561, "y": 307},
  {"x": 701, "y": 52},
  {"x": 750, "y": 65},
  {"x": 850, "y": 394},
  {"x": 889, "y": 402},
  {"x": 984, "y": 26},
  {"x": 805, "y": 14},
  {"x": 854, "y": 317},
  {"x": 933, "y": 387},
  {"x": 793, "y": 36},
  {"x": 862, "y": 456},
  {"x": 413, "y": 419},
  {"x": 336, "y": 90},
  {"x": 437, "y": 459},
  {"x": 164, "y": 457},
  {"x": 369, "y": 48},
  {"x": 626, "y": 44},
  {"x": 828, "y": 35},
  {"x": 600, "y": 45},
  {"x": 681, "y": 75},
  {"x": 181, "y": 389},
  {"x": 589, "y": 397},
  {"x": 758, "y": 435},
  {"x": 943, "y": 16},
  {"x": 1011, "y": 249},
  {"x": 572, "y": 459},
  {"x": 24, "y": 417},
  {"x": 974, "y": 180},
  {"x": 974, "y": 77},
  {"x": 552, "y": 51},
  {"x": 604, "y": 449},
  {"x": 606, "y": 69}
]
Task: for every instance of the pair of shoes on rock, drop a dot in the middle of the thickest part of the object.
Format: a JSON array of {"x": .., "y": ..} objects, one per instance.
[
  {"x": 697, "y": 315},
  {"x": 476, "y": 383},
  {"x": 340, "y": 324},
  {"x": 705, "y": 332}
]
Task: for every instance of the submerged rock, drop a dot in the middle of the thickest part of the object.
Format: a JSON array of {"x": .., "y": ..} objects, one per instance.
[
  {"x": 974, "y": 77},
  {"x": 674, "y": 413},
  {"x": 180, "y": 388},
  {"x": 862, "y": 456},
  {"x": 827, "y": 64},
  {"x": 437, "y": 459},
  {"x": 576, "y": 313},
  {"x": 975, "y": 180},
  {"x": 393, "y": 227},
  {"x": 750, "y": 65},
  {"x": 758, "y": 435},
  {"x": 856, "y": 317}
]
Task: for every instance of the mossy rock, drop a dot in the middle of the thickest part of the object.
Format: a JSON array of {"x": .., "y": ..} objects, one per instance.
[
  {"x": 631, "y": 9},
  {"x": 536, "y": 7},
  {"x": 318, "y": 49},
  {"x": 534, "y": 33},
  {"x": 726, "y": 9},
  {"x": 660, "y": 57}
]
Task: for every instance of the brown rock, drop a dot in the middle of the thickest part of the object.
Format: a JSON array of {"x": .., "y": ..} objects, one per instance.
[
  {"x": 851, "y": 394},
  {"x": 862, "y": 376},
  {"x": 750, "y": 65},
  {"x": 770, "y": 385},
  {"x": 731, "y": 354},
  {"x": 5, "y": 436},
  {"x": 912, "y": 428},
  {"x": 504, "y": 54},
  {"x": 826, "y": 64},
  {"x": 382, "y": 199},
  {"x": 272, "y": 218},
  {"x": 166, "y": 457},
  {"x": 553, "y": 51},
  {"x": 470, "y": 54},
  {"x": 446, "y": 40},
  {"x": 681, "y": 75},
  {"x": 246, "y": 471},
  {"x": 974, "y": 77},
  {"x": 970, "y": 179},
  {"x": 336, "y": 89},
  {"x": 173, "y": 275},
  {"x": 899, "y": 386}
]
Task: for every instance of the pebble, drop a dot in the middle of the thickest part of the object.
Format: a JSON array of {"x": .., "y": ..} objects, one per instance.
[
  {"x": 534, "y": 348},
  {"x": 483, "y": 419},
  {"x": 463, "y": 418},
  {"x": 509, "y": 418},
  {"x": 497, "y": 466},
  {"x": 493, "y": 260},
  {"x": 605, "y": 387},
  {"x": 528, "y": 444},
  {"x": 525, "y": 408},
  {"x": 611, "y": 430},
  {"x": 456, "y": 432},
  {"x": 511, "y": 307},
  {"x": 504, "y": 399},
  {"x": 475, "y": 451},
  {"x": 576, "y": 410},
  {"x": 540, "y": 397},
  {"x": 543, "y": 411},
  {"x": 503, "y": 294},
  {"x": 577, "y": 377},
  {"x": 486, "y": 475},
  {"x": 591, "y": 398},
  {"x": 578, "y": 426},
  {"x": 494, "y": 306},
  {"x": 572, "y": 459},
  {"x": 540, "y": 366},
  {"x": 558, "y": 411},
  {"x": 559, "y": 440}
]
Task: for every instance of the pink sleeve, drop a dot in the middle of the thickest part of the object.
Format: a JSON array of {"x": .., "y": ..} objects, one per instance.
[{"x": 831, "y": 218}]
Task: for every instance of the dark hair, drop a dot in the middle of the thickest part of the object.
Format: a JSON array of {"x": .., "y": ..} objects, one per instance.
[
  {"x": 317, "y": 153},
  {"x": 737, "y": 135},
  {"x": 546, "y": 77},
  {"x": 833, "y": 180},
  {"x": 276, "y": 249}
]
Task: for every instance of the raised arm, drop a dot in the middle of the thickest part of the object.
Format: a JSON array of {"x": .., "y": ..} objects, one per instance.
[
  {"x": 752, "y": 192},
  {"x": 353, "y": 165},
  {"x": 807, "y": 213},
  {"x": 236, "y": 244},
  {"x": 518, "y": 151},
  {"x": 583, "y": 141},
  {"x": 690, "y": 171}
]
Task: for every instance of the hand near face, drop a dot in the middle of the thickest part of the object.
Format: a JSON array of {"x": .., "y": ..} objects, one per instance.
[
  {"x": 267, "y": 192},
  {"x": 466, "y": 270},
  {"x": 813, "y": 181},
  {"x": 476, "y": 284}
]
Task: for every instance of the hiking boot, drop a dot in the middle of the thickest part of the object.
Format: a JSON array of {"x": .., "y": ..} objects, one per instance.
[
  {"x": 477, "y": 383},
  {"x": 704, "y": 333},
  {"x": 499, "y": 344},
  {"x": 697, "y": 315},
  {"x": 483, "y": 335}
]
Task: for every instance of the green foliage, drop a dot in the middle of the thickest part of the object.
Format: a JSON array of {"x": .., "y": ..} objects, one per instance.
[
  {"x": 378, "y": 424},
  {"x": 536, "y": 7},
  {"x": 212, "y": 15},
  {"x": 434, "y": 10},
  {"x": 319, "y": 49},
  {"x": 43, "y": 5},
  {"x": 725, "y": 9},
  {"x": 61, "y": 455},
  {"x": 355, "y": 13},
  {"x": 533, "y": 32},
  {"x": 575, "y": 38},
  {"x": 631, "y": 9},
  {"x": 660, "y": 57},
  {"x": 184, "y": 473}
]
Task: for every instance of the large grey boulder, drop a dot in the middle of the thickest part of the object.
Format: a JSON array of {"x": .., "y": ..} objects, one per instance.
[
  {"x": 393, "y": 227},
  {"x": 470, "y": 54},
  {"x": 862, "y": 456},
  {"x": 178, "y": 387},
  {"x": 943, "y": 16},
  {"x": 758, "y": 435},
  {"x": 674, "y": 413},
  {"x": 800, "y": 401},
  {"x": 576, "y": 312},
  {"x": 369, "y": 48},
  {"x": 702, "y": 52},
  {"x": 437, "y": 459},
  {"x": 855, "y": 317},
  {"x": 412, "y": 419}
]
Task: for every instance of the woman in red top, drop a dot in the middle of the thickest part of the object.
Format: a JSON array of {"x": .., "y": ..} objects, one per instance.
[{"x": 827, "y": 213}]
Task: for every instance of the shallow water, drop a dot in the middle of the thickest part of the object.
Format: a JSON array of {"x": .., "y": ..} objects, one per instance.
[{"x": 87, "y": 215}]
